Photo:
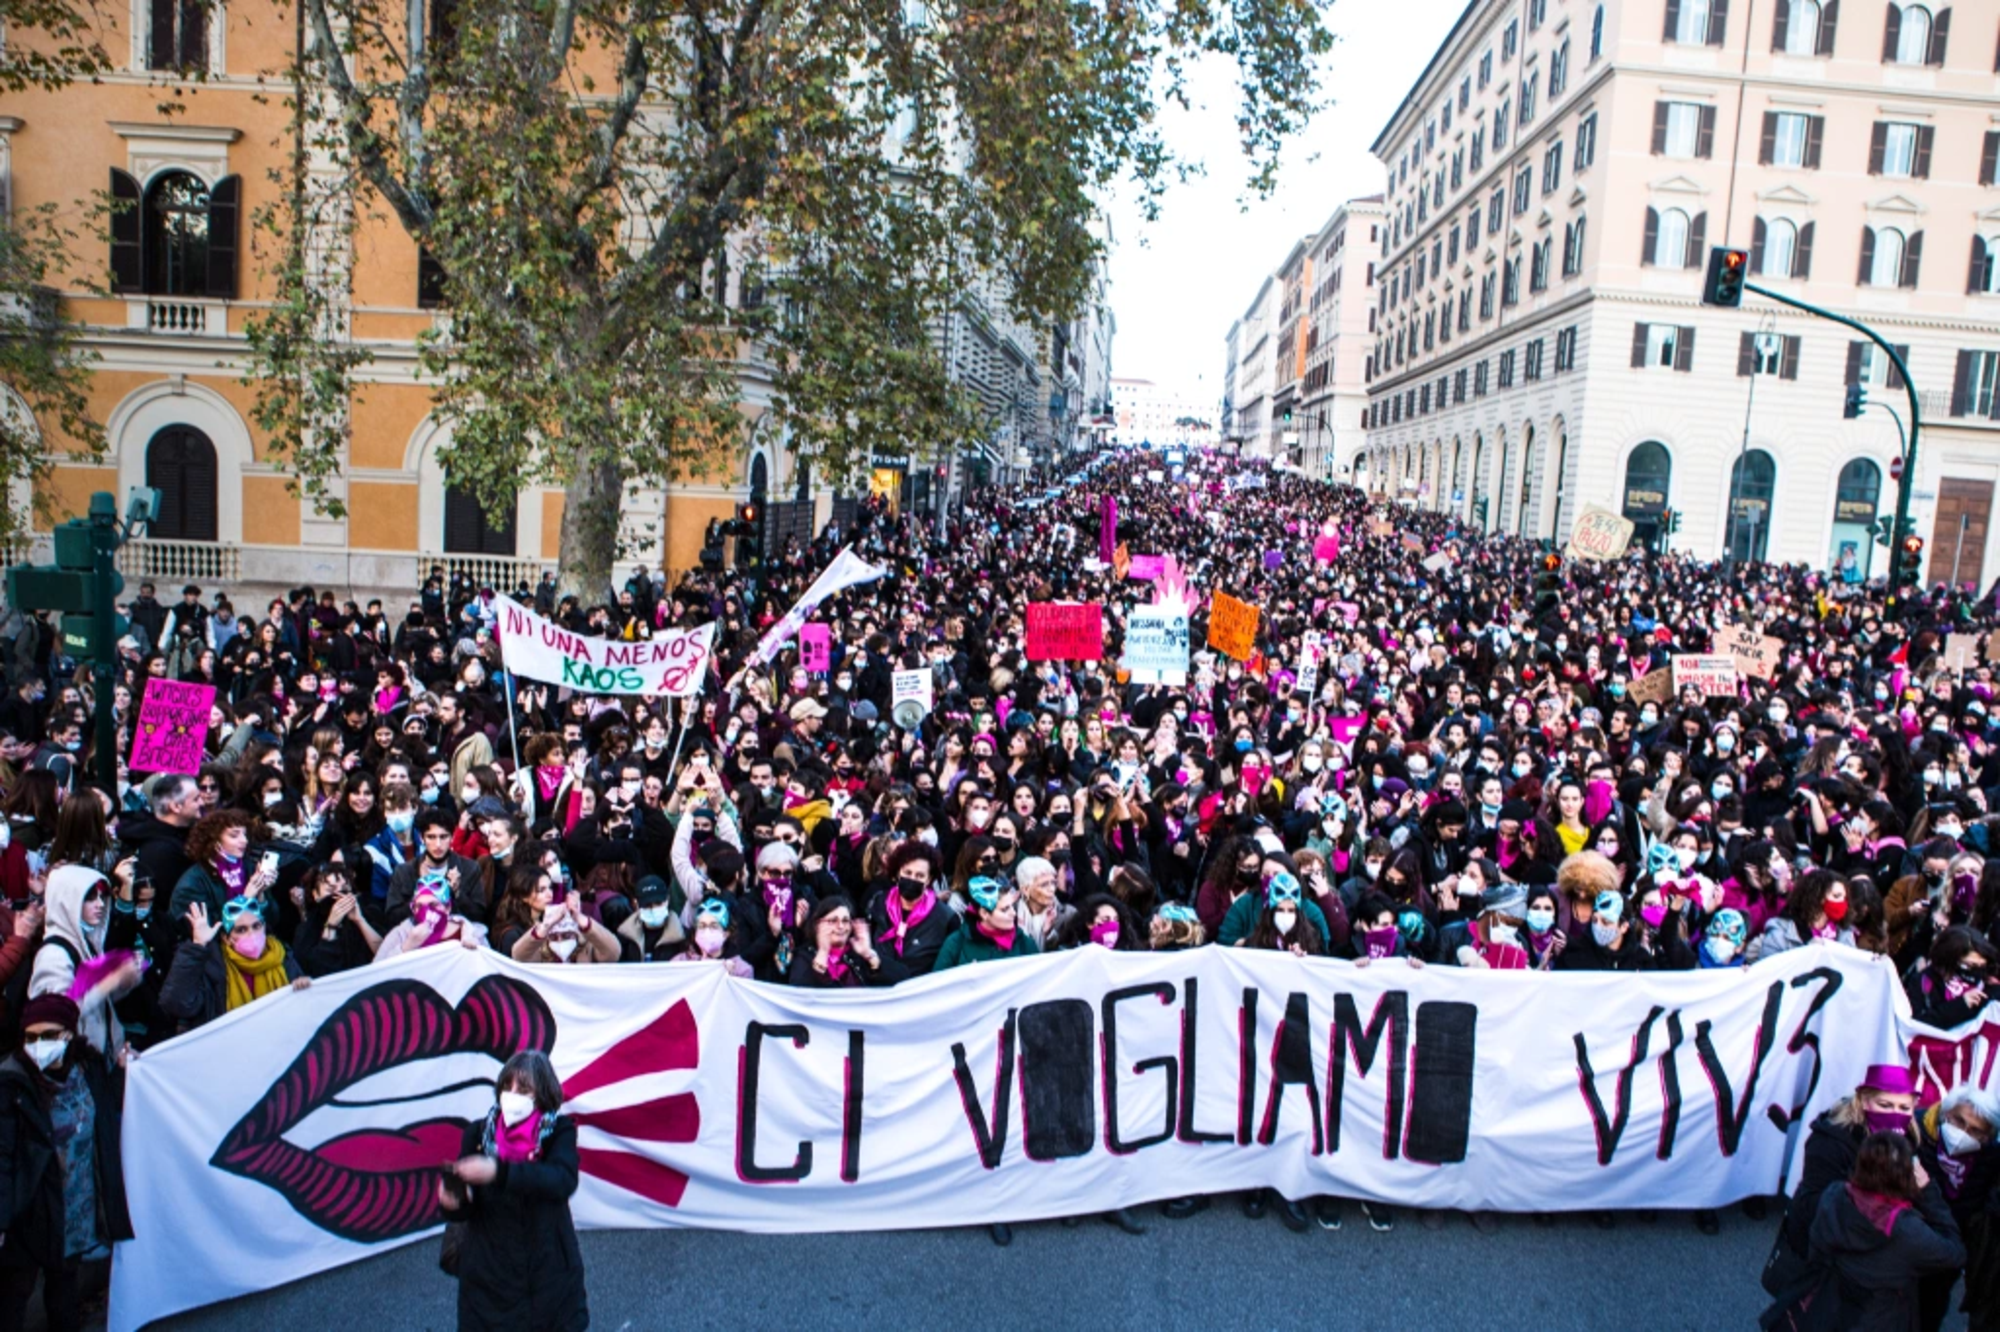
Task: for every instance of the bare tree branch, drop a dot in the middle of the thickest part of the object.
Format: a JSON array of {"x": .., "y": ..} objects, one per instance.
[{"x": 362, "y": 141}]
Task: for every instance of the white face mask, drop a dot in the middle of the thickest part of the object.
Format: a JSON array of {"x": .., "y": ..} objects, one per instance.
[
  {"x": 1606, "y": 935},
  {"x": 1373, "y": 868},
  {"x": 1957, "y": 1142},
  {"x": 47, "y": 1053},
  {"x": 515, "y": 1107},
  {"x": 1721, "y": 949},
  {"x": 1503, "y": 934},
  {"x": 1284, "y": 920},
  {"x": 563, "y": 947},
  {"x": 653, "y": 917}
]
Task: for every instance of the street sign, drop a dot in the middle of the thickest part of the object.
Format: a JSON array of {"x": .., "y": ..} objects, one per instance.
[
  {"x": 30, "y": 588},
  {"x": 1896, "y": 468}
]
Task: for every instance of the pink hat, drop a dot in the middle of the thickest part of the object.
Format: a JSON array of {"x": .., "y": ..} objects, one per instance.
[{"x": 1891, "y": 1078}]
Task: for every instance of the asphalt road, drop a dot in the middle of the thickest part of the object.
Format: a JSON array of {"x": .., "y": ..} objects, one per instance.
[{"x": 1218, "y": 1270}]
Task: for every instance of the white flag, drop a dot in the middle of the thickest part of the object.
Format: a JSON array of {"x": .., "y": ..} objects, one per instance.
[{"x": 846, "y": 571}]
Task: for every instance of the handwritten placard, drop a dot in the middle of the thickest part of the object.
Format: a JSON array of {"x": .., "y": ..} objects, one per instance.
[
  {"x": 1756, "y": 655},
  {"x": 1065, "y": 631},
  {"x": 1713, "y": 674},
  {"x": 1600, "y": 534},
  {"x": 1655, "y": 686},
  {"x": 173, "y": 727},
  {"x": 1156, "y": 645},
  {"x": 1232, "y": 626},
  {"x": 816, "y": 648},
  {"x": 1961, "y": 652}
]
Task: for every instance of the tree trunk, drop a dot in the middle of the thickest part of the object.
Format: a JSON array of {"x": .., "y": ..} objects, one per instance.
[{"x": 589, "y": 546}]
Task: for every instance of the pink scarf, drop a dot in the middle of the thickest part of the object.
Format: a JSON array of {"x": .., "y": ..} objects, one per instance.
[
  {"x": 519, "y": 1142},
  {"x": 836, "y": 965},
  {"x": 901, "y": 922},
  {"x": 1004, "y": 941}
]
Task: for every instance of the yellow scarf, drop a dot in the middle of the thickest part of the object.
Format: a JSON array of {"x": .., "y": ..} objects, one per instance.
[{"x": 245, "y": 980}]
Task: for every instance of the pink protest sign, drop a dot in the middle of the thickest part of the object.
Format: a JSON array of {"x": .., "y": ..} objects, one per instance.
[
  {"x": 173, "y": 725},
  {"x": 816, "y": 648},
  {"x": 1344, "y": 729},
  {"x": 1326, "y": 549},
  {"x": 1146, "y": 567}
]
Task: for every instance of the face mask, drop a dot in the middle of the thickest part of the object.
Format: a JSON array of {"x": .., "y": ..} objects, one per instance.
[
  {"x": 515, "y": 1107},
  {"x": 1382, "y": 942},
  {"x": 1684, "y": 856},
  {"x": 1653, "y": 914},
  {"x": 1419, "y": 769},
  {"x": 1835, "y": 911},
  {"x": 402, "y": 822},
  {"x": 1541, "y": 919},
  {"x": 1312, "y": 763},
  {"x": 911, "y": 889},
  {"x": 563, "y": 947},
  {"x": 708, "y": 938},
  {"x": 1649, "y": 719},
  {"x": 1606, "y": 935},
  {"x": 1951, "y": 830},
  {"x": 1719, "y": 791},
  {"x": 1523, "y": 769},
  {"x": 1243, "y": 744},
  {"x": 1105, "y": 932},
  {"x": 653, "y": 917},
  {"x": 1283, "y": 921},
  {"x": 1957, "y": 1142},
  {"x": 1886, "y": 1121},
  {"x": 1724, "y": 743},
  {"x": 47, "y": 1053},
  {"x": 250, "y": 946},
  {"x": 1503, "y": 934},
  {"x": 1720, "y": 950},
  {"x": 1372, "y": 868},
  {"x": 1932, "y": 776}
]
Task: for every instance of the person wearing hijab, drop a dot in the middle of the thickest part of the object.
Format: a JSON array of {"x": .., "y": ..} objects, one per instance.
[
  {"x": 518, "y": 1265},
  {"x": 72, "y": 960},
  {"x": 226, "y": 964},
  {"x": 60, "y": 1168}
]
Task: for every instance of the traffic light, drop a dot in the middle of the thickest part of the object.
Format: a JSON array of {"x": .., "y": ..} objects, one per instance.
[
  {"x": 1910, "y": 562},
  {"x": 1549, "y": 586},
  {"x": 1857, "y": 398},
  {"x": 1670, "y": 521},
  {"x": 1885, "y": 527},
  {"x": 711, "y": 545},
  {"x": 1726, "y": 271}
]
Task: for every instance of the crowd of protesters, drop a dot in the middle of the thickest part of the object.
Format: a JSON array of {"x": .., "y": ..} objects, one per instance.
[{"x": 1476, "y": 763}]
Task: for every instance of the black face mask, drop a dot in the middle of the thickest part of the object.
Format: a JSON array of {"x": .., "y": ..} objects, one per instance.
[
  {"x": 911, "y": 889},
  {"x": 1248, "y": 875},
  {"x": 1059, "y": 857}
]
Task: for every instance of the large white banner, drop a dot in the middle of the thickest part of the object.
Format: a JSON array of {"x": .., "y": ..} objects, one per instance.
[
  {"x": 847, "y": 570},
  {"x": 307, "y": 1128},
  {"x": 1156, "y": 645},
  {"x": 674, "y": 661}
]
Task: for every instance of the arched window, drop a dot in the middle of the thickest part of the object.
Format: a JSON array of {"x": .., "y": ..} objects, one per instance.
[
  {"x": 1985, "y": 278},
  {"x": 180, "y": 464},
  {"x": 1802, "y": 28},
  {"x": 176, "y": 220},
  {"x": 1752, "y": 482},
  {"x": 1597, "y": 32},
  {"x": 1562, "y": 466},
  {"x": 468, "y": 530},
  {"x": 1693, "y": 29},
  {"x": 1887, "y": 270},
  {"x": 1527, "y": 481},
  {"x": 1670, "y": 250},
  {"x": 1855, "y": 498},
  {"x": 1649, "y": 475},
  {"x": 1913, "y": 36},
  {"x": 1781, "y": 246}
]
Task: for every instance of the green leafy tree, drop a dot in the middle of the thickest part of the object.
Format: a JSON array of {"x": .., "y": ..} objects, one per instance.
[{"x": 628, "y": 198}]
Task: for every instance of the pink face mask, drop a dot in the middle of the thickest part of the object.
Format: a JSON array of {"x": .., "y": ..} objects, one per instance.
[
  {"x": 1653, "y": 913},
  {"x": 1105, "y": 932},
  {"x": 248, "y": 946}
]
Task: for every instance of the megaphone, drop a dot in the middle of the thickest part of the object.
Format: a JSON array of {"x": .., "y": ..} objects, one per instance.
[{"x": 909, "y": 714}]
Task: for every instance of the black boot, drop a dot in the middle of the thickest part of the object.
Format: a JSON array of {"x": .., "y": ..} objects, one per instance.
[
  {"x": 1293, "y": 1215},
  {"x": 1124, "y": 1219},
  {"x": 1002, "y": 1233},
  {"x": 1180, "y": 1209},
  {"x": 1253, "y": 1204}
]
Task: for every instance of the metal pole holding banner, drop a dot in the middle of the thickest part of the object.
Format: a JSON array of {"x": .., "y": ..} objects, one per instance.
[{"x": 513, "y": 731}]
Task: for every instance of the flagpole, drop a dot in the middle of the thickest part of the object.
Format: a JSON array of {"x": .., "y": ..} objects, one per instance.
[{"x": 513, "y": 731}]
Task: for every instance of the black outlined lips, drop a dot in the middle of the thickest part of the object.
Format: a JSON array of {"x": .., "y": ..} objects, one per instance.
[{"x": 379, "y": 1185}]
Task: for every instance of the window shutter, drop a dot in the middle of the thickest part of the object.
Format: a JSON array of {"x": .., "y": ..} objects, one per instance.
[
  {"x": 1659, "y": 128},
  {"x": 1638, "y": 346},
  {"x": 1878, "y": 147},
  {"x": 1767, "y": 144},
  {"x": 1892, "y": 33},
  {"x": 1746, "y": 355},
  {"x": 1940, "y": 30},
  {"x": 160, "y": 50},
  {"x": 1652, "y": 242},
  {"x": 1788, "y": 358},
  {"x": 1780, "y": 23},
  {"x": 1961, "y": 379},
  {"x": 1718, "y": 22},
  {"x": 1697, "y": 250},
  {"x": 1925, "y": 133},
  {"x": 128, "y": 231},
  {"x": 1854, "y": 362},
  {"x": 1684, "y": 349},
  {"x": 1757, "y": 230},
  {"x": 1829, "y": 14},
  {"x": 1802, "y": 253},
  {"x": 180, "y": 464},
  {"x": 1673, "y": 20},
  {"x": 1989, "y": 158},
  {"x": 225, "y": 204},
  {"x": 1704, "y": 139},
  {"x": 1903, "y": 354},
  {"x": 1975, "y": 276},
  {"x": 1913, "y": 258},
  {"x": 1815, "y": 131},
  {"x": 1867, "y": 256}
]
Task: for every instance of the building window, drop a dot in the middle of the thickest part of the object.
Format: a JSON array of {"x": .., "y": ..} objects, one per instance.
[
  {"x": 1752, "y": 483},
  {"x": 1500, "y": 125},
  {"x": 1465, "y": 92},
  {"x": 1975, "y": 385},
  {"x": 1984, "y": 277},
  {"x": 1913, "y": 36},
  {"x": 1552, "y": 167},
  {"x": 1451, "y": 246},
  {"x": 1900, "y": 150},
  {"x": 1869, "y": 365},
  {"x": 1663, "y": 346},
  {"x": 1889, "y": 258},
  {"x": 180, "y": 464},
  {"x": 1478, "y": 149},
  {"x": 1465, "y": 310},
  {"x": 1586, "y": 142},
  {"x": 1528, "y": 92},
  {"x": 1485, "y": 70},
  {"x": 1767, "y": 354},
  {"x": 1479, "y": 380},
  {"x": 1558, "y": 71},
  {"x": 1573, "y": 248},
  {"x": 1566, "y": 349},
  {"x": 1538, "y": 268},
  {"x": 1532, "y": 363},
  {"x": 1524, "y": 189},
  {"x": 1778, "y": 248},
  {"x": 1683, "y": 129},
  {"x": 1510, "y": 282},
  {"x": 1799, "y": 29},
  {"x": 178, "y": 238},
  {"x": 1486, "y": 297},
  {"x": 1458, "y": 387},
  {"x": 1673, "y": 240},
  {"x": 1538, "y": 14},
  {"x": 1507, "y": 369},
  {"x": 1496, "y": 212},
  {"x": 1597, "y": 32},
  {"x": 468, "y": 530},
  {"x": 1687, "y": 22},
  {"x": 177, "y": 35},
  {"x": 1510, "y": 39},
  {"x": 1989, "y": 158}
]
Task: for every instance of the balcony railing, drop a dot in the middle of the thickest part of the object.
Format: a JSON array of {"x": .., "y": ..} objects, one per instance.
[
  {"x": 178, "y": 317},
  {"x": 500, "y": 572},
  {"x": 180, "y": 561}
]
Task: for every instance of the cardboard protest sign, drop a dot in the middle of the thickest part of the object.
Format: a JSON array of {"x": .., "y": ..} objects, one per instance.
[
  {"x": 911, "y": 686},
  {"x": 173, "y": 727},
  {"x": 1713, "y": 675},
  {"x": 1993, "y": 647},
  {"x": 1439, "y": 562},
  {"x": 1655, "y": 686},
  {"x": 1274, "y": 559},
  {"x": 1961, "y": 652},
  {"x": 1232, "y": 626},
  {"x": 1065, "y": 631},
  {"x": 1309, "y": 648},
  {"x": 1413, "y": 544},
  {"x": 1381, "y": 527},
  {"x": 816, "y": 648},
  {"x": 1156, "y": 645},
  {"x": 1600, "y": 534},
  {"x": 1326, "y": 549},
  {"x": 1756, "y": 655}
]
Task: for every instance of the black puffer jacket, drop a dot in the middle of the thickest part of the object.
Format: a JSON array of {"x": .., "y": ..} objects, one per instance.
[
  {"x": 518, "y": 1266},
  {"x": 1831, "y": 1150},
  {"x": 1874, "y": 1272},
  {"x": 31, "y": 1189}
]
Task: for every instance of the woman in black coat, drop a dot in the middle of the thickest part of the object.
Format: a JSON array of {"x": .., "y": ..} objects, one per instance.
[
  {"x": 48, "y": 1089},
  {"x": 518, "y": 1263}
]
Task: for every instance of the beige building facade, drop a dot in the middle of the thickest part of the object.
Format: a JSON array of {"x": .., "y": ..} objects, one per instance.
[
  {"x": 1339, "y": 331},
  {"x": 1556, "y": 177}
]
